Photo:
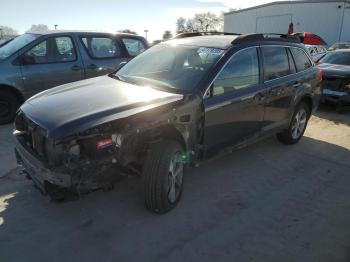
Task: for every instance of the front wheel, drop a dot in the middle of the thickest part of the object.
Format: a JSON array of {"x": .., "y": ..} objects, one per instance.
[
  {"x": 9, "y": 104},
  {"x": 297, "y": 127},
  {"x": 163, "y": 175}
]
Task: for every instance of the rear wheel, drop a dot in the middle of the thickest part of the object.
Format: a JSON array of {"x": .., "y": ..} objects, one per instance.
[
  {"x": 9, "y": 104},
  {"x": 297, "y": 127},
  {"x": 163, "y": 174}
]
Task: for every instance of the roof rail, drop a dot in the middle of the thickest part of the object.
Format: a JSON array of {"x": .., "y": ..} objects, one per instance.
[
  {"x": 191, "y": 34},
  {"x": 266, "y": 37}
]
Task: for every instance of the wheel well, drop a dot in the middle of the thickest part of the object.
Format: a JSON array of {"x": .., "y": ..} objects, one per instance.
[
  {"x": 12, "y": 90},
  {"x": 308, "y": 101},
  {"x": 170, "y": 132}
]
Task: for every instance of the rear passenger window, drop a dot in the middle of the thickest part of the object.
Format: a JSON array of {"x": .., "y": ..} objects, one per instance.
[
  {"x": 292, "y": 67},
  {"x": 302, "y": 61},
  {"x": 101, "y": 47},
  {"x": 133, "y": 46},
  {"x": 276, "y": 62},
  {"x": 240, "y": 72}
]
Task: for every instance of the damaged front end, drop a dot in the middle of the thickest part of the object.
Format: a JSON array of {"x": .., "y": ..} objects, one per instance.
[
  {"x": 79, "y": 163},
  {"x": 336, "y": 91},
  {"x": 100, "y": 156}
]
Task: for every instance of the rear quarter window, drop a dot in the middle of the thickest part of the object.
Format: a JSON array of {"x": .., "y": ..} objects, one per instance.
[
  {"x": 133, "y": 46},
  {"x": 302, "y": 61}
]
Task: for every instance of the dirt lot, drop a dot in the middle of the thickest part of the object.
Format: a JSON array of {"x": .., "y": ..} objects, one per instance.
[{"x": 267, "y": 202}]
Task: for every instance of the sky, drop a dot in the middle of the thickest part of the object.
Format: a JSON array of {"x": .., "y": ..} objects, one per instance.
[{"x": 111, "y": 15}]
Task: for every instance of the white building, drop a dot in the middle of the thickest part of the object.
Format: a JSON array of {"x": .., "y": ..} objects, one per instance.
[{"x": 330, "y": 19}]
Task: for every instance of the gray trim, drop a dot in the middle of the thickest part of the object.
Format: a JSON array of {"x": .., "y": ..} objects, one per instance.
[{"x": 287, "y": 3}]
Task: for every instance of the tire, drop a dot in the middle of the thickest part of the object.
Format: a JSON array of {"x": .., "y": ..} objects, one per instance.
[
  {"x": 296, "y": 129},
  {"x": 163, "y": 176},
  {"x": 9, "y": 104}
]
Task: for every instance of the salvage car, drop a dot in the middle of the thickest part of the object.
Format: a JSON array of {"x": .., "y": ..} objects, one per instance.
[
  {"x": 172, "y": 106},
  {"x": 34, "y": 62},
  {"x": 335, "y": 68}
]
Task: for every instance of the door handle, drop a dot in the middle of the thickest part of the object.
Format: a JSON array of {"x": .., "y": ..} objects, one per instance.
[
  {"x": 75, "y": 68},
  {"x": 92, "y": 66}
]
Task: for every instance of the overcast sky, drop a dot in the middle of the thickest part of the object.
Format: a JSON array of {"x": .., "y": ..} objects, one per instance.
[{"x": 110, "y": 15}]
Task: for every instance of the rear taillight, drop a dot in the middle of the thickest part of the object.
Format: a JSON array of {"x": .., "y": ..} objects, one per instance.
[{"x": 320, "y": 74}]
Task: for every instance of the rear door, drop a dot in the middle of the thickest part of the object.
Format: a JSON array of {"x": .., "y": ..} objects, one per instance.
[
  {"x": 103, "y": 54},
  {"x": 281, "y": 82},
  {"x": 52, "y": 62},
  {"x": 235, "y": 107}
]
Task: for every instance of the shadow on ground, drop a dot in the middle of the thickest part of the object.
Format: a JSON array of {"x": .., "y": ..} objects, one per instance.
[
  {"x": 328, "y": 112},
  {"x": 267, "y": 202}
]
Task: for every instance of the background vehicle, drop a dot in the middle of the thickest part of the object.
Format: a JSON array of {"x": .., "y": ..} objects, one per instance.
[
  {"x": 308, "y": 38},
  {"x": 316, "y": 51},
  {"x": 341, "y": 45},
  {"x": 34, "y": 62},
  {"x": 336, "y": 79},
  {"x": 155, "y": 116}
]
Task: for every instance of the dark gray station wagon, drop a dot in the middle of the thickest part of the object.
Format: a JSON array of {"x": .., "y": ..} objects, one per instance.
[
  {"x": 171, "y": 106},
  {"x": 34, "y": 62}
]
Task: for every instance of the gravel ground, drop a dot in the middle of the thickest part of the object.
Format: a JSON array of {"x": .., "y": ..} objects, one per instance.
[{"x": 266, "y": 202}]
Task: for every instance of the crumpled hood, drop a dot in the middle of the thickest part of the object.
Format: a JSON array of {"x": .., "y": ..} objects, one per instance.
[{"x": 74, "y": 107}]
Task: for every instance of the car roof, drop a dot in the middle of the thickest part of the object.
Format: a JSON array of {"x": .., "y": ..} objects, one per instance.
[
  {"x": 213, "y": 41},
  {"x": 57, "y": 32},
  {"x": 228, "y": 41}
]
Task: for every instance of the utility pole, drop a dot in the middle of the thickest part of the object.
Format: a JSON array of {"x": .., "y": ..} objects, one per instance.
[
  {"x": 146, "y": 31},
  {"x": 55, "y": 27}
]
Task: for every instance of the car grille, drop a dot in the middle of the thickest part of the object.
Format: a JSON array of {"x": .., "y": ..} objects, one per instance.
[{"x": 32, "y": 135}]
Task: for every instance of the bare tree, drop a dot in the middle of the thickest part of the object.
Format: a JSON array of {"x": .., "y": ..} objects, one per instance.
[
  {"x": 202, "y": 22},
  {"x": 6, "y": 32},
  {"x": 127, "y": 31},
  {"x": 167, "y": 35},
  {"x": 38, "y": 28},
  {"x": 180, "y": 25}
]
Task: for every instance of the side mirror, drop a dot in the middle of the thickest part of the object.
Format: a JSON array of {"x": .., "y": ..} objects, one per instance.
[{"x": 27, "y": 59}]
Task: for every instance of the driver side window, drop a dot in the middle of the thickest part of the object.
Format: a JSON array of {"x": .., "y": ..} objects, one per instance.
[
  {"x": 242, "y": 71},
  {"x": 39, "y": 53}
]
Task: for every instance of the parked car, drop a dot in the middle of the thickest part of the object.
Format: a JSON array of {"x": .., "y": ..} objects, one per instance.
[
  {"x": 308, "y": 38},
  {"x": 315, "y": 45},
  {"x": 341, "y": 45},
  {"x": 170, "y": 107},
  {"x": 336, "y": 79},
  {"x": 34, "y": 62},
  {"x": 316, "y": 51}
]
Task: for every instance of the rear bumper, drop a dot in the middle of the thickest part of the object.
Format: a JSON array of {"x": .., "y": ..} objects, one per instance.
[{"x": 38, "y": 172}]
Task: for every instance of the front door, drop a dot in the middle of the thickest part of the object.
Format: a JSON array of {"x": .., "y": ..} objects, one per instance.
[
  {"x": 235, "y": 108},
  {"x": 52, "y": 62}
]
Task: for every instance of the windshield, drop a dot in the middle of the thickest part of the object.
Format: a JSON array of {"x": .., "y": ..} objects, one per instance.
[
  {"x": 171, "y": 66},
  {"x": 337, "y": 58},
  {"x": 16, "y": 44}
]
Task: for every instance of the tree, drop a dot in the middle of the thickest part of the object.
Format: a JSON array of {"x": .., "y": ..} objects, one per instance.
[
  {"x": 202, "y": 22},
  {"x": 167, "y": 35},
  {"x": 7, "y": 31},
  {"x": 180, "y": 25},
  {"x": 127, "y": 31},
  {"x": 38, "y": 28}
]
